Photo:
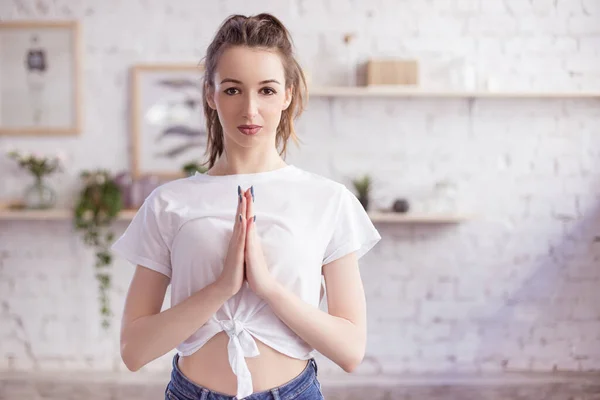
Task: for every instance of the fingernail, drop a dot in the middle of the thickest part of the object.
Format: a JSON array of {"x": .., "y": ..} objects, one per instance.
[
  {"x": 240, "y": 215},
  {"x": 252, "y": 192},
  {"x": 255, "y": 218},
  {"x": 240, "y": 193}
]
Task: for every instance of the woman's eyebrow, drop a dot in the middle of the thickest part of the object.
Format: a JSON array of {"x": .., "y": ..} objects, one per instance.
[
  {"x": 240, "y": 82},
  {"x": 269, "y": 81}
]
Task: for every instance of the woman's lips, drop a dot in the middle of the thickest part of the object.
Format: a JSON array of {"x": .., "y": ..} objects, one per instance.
[{"x": 249, "y": 130}]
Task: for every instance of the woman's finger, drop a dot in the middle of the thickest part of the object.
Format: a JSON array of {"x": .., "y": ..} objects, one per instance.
[
  {"x": 238, "y": 210},
  {"x": 241, "y": 215},
  {"x": 250, "y": 202}
]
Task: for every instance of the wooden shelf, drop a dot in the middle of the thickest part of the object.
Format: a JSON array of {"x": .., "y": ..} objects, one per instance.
[
  {"x": 50, "y": 215},
  {"x": 394, "y": 91},
  {"x": 126, "y": 215},
  {"x": 399, "y": 218}
]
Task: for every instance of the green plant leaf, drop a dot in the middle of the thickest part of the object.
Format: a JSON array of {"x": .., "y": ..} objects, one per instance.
[{"x": 98, "y": 204}]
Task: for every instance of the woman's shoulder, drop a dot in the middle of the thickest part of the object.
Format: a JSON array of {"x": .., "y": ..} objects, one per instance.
[
  {"x": 320, "y": 182},
  {"x": 171, "y": 192},
  {"x": 316, "y": 178}
]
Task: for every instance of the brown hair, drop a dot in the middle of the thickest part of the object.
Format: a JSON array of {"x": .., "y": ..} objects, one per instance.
[{"x": 260, "y": 31}]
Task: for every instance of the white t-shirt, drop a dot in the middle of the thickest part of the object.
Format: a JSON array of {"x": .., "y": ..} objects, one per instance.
[{"x": 303, "y": 220}]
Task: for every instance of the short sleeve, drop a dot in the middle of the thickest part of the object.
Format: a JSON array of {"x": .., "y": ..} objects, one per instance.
[
  {"x": 353, "y": 230},
  {"x": 143, "y": 241}
]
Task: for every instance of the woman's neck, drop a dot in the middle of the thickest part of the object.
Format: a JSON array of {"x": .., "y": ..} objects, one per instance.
[{"x": 233, "y": 166}]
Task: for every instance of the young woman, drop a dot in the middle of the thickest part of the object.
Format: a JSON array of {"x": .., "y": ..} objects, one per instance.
[{"x": 245, "y": 245}]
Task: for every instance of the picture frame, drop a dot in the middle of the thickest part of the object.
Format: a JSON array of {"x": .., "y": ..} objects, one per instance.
[
  {"x": 168, "y": 128},
  {"x": 40, "y": 78}
]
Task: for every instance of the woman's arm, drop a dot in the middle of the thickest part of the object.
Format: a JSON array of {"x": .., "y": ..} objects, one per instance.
[
  {"x": 146, "y": 332},
  {"x": 341, "y": 334}
]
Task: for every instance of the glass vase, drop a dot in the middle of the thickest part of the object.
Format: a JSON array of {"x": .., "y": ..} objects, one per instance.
[{"x": 39, "y": 196}]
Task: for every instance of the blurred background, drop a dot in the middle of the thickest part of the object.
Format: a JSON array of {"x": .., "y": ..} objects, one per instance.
[{"x": 469, "y": 129}]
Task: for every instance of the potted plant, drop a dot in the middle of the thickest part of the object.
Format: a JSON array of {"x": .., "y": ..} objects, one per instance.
[
  {"x": 38, "y": 195},
  {"x": 363, "y": 190},
  {"x": 98, "y": 205},
  {"x": 192, "y": 167}
]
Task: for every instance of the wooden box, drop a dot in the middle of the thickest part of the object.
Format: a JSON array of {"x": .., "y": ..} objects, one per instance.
[{"x": 392, "y": 72}]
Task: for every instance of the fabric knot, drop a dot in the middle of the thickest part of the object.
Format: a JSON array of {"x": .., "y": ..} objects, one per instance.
[
  {"x": 232, "y": 328},
  {"x": 241, "y": 345}
]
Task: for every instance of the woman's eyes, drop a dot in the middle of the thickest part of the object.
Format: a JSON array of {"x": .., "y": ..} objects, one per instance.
[{"x": 266, "y": 91}]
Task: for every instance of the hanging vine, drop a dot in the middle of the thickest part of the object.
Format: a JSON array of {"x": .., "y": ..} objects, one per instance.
[{"x": 97, "y": 207}]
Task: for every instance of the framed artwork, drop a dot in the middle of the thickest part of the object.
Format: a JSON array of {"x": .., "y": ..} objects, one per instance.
[
  {"x": 40, "y": 84},
  {"x": 168, "y": 128}
]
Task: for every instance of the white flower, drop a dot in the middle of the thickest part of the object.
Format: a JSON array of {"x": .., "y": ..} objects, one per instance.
[
  {"x": 157, "y": 114},
  {"x": 88, "y": 215},
  {"x": 23, "y": 156},
  {"x": 168, "y": 112},
  {"x": 61, "y": 157}
]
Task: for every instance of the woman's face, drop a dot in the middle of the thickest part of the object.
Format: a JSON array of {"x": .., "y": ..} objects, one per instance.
[{"x": 249, "y": 95}]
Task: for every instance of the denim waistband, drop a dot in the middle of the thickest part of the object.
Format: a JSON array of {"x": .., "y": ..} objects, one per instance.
[{"x": 288, "y": 390}]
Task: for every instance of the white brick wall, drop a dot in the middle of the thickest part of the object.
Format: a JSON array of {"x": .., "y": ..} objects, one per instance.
[{"x": 518, "y": 288}]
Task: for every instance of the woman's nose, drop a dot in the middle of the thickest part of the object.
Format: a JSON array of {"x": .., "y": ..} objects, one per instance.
[{"x": 250, "y": 106}]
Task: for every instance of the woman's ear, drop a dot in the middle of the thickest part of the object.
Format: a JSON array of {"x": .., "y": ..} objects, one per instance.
[
  {"x": 210, "y": 97},
  {"x": 289, "y": 92}
]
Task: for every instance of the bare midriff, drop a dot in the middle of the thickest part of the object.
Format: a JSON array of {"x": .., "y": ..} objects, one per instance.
[{"x": 209, "y": 367}]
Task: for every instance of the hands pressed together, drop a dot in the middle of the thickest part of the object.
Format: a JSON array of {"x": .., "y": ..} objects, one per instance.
[{"x": 245, "y": 260}]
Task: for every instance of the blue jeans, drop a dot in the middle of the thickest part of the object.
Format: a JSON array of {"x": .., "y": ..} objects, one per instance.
[{"x": 303, "y": 387}]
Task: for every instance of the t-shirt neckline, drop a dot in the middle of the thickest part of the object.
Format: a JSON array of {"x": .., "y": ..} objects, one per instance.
[{"x": 255, "y": 175}]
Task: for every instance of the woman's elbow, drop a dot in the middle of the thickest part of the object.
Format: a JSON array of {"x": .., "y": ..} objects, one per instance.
[
  {"x": 131, "y": 362},
  {"x": 353, "y": 361},
  {"x": 131, "y": 367},
  {"x": 350, "y": 365}
]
